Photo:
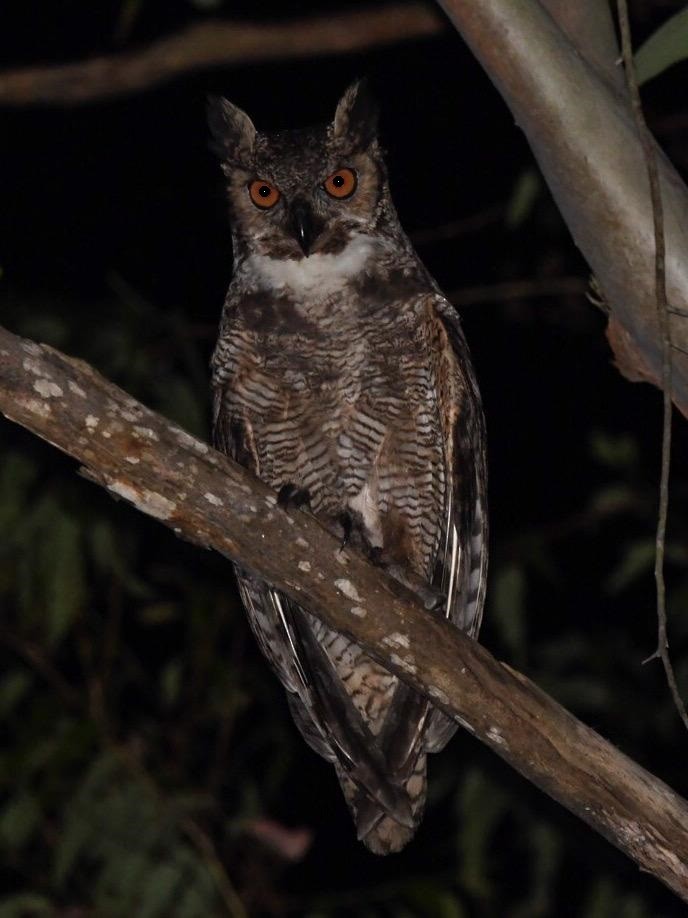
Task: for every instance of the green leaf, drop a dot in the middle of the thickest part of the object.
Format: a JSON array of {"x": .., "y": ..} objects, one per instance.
[
  {"x": 481, "y": 806},
  {"x": 65, "y": 587},
  {"x": 158, "y": 890},
  {"x": 430, "y": 902},
  {"x": 638, "y": 560},
  {"x": 664, "y": 48},
  {"x": 614, "y": 451},
  {"x": 523, "y": 197},
  {"x": 25, "y": 905},
  {"x": 507, "y": 609},
  {"x": 12, "y": 689},
  {"x": 18, "y": 820}
]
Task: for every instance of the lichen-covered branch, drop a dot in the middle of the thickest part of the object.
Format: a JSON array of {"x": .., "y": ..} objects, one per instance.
[
  {"x": 555, "y": 64},
  {"x": 213, "y": 44},
  {"x": 168, "y": 474}
]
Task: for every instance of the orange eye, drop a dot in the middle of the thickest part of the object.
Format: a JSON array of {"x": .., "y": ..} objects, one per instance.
[
  {"x": 341, "y": 184},
  {"x": 263, "y": 194}
]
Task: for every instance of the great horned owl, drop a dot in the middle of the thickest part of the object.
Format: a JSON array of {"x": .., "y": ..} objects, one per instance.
[{"x": 342, "y": 378}]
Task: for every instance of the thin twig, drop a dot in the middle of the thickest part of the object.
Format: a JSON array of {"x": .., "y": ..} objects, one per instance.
[
  {"x": 517, "y": 290},
  {"x": 662, "y": 651},
  {"x": 445, "y": 231},
  {"x": 218, "y": 43}
]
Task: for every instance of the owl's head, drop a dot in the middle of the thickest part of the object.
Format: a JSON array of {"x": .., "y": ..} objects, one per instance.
[{"x": 301, "y": 192}]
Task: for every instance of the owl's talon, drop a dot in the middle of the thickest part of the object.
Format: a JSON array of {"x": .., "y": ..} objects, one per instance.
[{"x": 290, "y": 495}]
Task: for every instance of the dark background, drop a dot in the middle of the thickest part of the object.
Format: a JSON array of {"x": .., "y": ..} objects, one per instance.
[{"x": 141, "y": 726}]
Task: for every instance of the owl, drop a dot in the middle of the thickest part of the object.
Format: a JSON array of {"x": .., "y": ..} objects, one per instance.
[{"x": 342, "y": 379}]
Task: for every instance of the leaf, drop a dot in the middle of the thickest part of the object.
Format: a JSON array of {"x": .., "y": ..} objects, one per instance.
[
  {"x": 481, "y": 805},
  {"x": 664, "y": 48},
  {"x": 638, "y": 560},
  {"x": 614, "y": 451},
  {"x": 66, "y": 582},
  {"x": 19, "y": 819},
  {"x": 170, "y": 682},
  {"x": 12, "y": 689},
  {"x": 523, "y": 197},
  {"x": 25, "y": 905},
  {"x": 430, "y": 902},
  {"x": 507, "y": 609},
  {"x": 157, "y": 891}
]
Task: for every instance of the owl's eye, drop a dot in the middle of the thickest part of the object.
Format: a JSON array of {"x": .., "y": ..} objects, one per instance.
[
  {"x": 341, "y": 184},
  {"x": 263, "y": 194}
]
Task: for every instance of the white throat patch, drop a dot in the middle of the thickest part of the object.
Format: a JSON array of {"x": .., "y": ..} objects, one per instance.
[{"x": 323, "y": 271}]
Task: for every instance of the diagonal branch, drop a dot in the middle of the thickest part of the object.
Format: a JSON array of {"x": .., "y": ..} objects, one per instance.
[
  {"x": 218, "y": 43},
  {"x": 553, "y": 62},
  {"x": 204, "y": 497}
]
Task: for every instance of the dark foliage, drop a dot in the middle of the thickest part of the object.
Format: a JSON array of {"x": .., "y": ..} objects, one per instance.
[{"x": 149, "y": 766}]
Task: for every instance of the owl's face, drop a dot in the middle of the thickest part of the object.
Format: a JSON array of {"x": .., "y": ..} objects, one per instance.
[{"x": 297, "y": 193}]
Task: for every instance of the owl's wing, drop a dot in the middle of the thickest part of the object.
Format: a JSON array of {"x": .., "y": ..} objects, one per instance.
[
  {"x": 319, "y": 702},
  {"x": 461, "y": 566}
]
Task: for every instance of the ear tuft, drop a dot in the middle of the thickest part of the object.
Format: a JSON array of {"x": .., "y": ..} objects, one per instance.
[
  {"x": 233, "y": 133},
  {"x": 356, "y": 116}
]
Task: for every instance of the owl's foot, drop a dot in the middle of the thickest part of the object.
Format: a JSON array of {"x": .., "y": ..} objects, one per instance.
[
  {"x": 431, "y": 598},
  {"x": 290, "y": 495}
]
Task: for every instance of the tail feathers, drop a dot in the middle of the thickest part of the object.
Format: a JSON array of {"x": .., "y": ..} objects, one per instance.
[{"x": 380, "y": 832}]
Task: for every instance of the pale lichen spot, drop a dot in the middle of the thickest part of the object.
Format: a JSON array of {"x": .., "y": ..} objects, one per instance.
[
  {"x": 132, "y": 459},
  {"x": 305, "y": 566},
  {"x": 128, "y": 416},
  {"x": 464, "y": 723},
  {"x": 34, "y": 366},
  {"x": 302, "y": 543},
  {"x": 403, "y": 663},
  {"x": 495, "y": 734},
  {"x": 36, "y": 407},
  {"x": 632, "y": 831},
  {"x": 358, "y": 611},
  {"x": 150, "y": 502},
  {"x": 47, "y": 389},
  {"x": 92, "y": 422},
  {"x": 271, "y": 501},
  {"x": 395, "y": 639},
  {"x": 348, "y": 589},
  {"x": 145, "y": 432},
  {"x": 213, "y": 499},
  {"x": 106, "y": 434},
  {"x": 32, "y": 348},
  {"x": 253, "y": 508},
  {"x": 188, "y": 442},
  {"x": 438, "y": 695},
  {"x": 76, "y": 389}
]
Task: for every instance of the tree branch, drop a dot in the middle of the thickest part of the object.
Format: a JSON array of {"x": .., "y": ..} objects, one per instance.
[
  {"x": 554, "y": 68},
  {"x": 204, "y": 497},
  {"x": 217, "y": 43}
]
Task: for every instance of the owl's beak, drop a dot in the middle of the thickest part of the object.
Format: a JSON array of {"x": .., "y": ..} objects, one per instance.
[{"x": 302, "y": 225}]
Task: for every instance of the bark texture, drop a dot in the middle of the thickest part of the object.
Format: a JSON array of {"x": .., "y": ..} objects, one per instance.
[{"x": 204, "y": 497}]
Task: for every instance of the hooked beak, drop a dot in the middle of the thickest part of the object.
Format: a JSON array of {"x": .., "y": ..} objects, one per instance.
[{"x": 302, "y": 225}]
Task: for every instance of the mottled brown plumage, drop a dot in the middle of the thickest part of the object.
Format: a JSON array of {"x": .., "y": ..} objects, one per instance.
[{"x": 342, "y": 378}]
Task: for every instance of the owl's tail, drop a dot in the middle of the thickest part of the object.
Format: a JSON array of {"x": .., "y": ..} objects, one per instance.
[{"x": 378, "y": 831}]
